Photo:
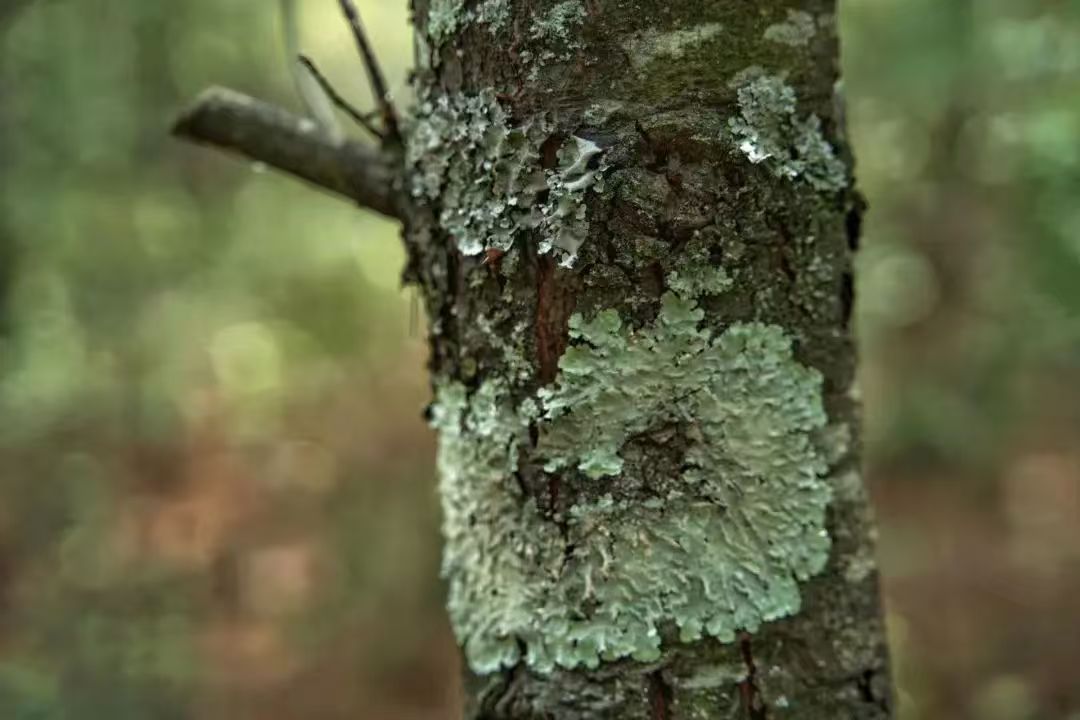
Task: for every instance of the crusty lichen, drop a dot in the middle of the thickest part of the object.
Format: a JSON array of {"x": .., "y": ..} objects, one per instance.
[
  {"x": 769, "y": 130},
  {"x": 496, "y": 546},
  {"x": 486, "y": 176},
  {"x": 695, "y": 276},
  {"x": 557, "y": 25},
  {"x": 446, "y": 17},
  {"x": 720, "y": 549},
  {"x": 796, "y": 30},
  {"x": 554, "y": 35},
  {"x": 649, "y": 45}
]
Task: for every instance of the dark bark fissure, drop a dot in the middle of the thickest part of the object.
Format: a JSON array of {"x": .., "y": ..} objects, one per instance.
[
  {"x": 659, "y": 693},
  {"x": 554, "y": 305},
  {"x": 754, "y": 707}
]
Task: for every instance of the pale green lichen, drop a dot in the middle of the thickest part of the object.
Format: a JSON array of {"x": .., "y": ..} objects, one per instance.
[
  {"x": 493, "y": 13},
  {"x": 486, "y": 176},
  {"x": 769, "y": 130},
  {"x": 836, "y": 439},
  {"x": 696, "y": 276},
  {"x": 510, "y": 345},
  {"x": 555, "y": 37},
  {"x": 722, "y": 549},
  {"x": 558, "y": 24},
  {"x": 447, "y": 17},
  {"x": 496, "y": 546},
  {"x": 602, "y": 111},
  {"x": 444, "y": 18},
  {"x": 719, "y": 675},
  {"x": 797, "y": 30},
  {"x": 649, "y": 45},
  {"x": 566, "y": 226},
  {"x": 747, "y": 75}
]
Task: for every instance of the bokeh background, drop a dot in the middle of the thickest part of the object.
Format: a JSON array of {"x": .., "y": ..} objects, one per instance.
[{"x": 216, "y": 486}]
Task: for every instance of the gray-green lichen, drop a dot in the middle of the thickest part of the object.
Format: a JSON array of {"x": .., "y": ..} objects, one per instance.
[
  {"x": 555, "y": 36},
  {"x": 696, "y": 276},
  {"x": 769, "y": 130},
  {"x": 717, "y": 675},
  {"x": 486, "y": 176},
  {"x": 565, "y": 226},
  {"x": 798, "y": 29},
  {"x": 719, "y": 549},
  {"x": 649, "y": 45},
  {"x": 559, "y": 23},
  {"x": 509, "y": 345},
  {"x": 447, "y": 17},
  {"x": 496, "y": 545}
]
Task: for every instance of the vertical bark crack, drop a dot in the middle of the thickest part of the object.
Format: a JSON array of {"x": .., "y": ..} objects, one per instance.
[
  {"x": 554, "y": 305},
  {"x": 753, "y": 703},
  {"x": 659, "y": 695}
]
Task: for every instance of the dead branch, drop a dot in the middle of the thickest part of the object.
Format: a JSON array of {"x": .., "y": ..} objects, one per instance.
[{"x": 269, "y": 134}]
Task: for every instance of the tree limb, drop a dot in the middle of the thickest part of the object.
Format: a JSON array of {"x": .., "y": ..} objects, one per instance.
[{"x": 269, "y": 134}]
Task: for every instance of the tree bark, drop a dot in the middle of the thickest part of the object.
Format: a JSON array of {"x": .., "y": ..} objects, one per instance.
[{"x": 633, "y": 224}]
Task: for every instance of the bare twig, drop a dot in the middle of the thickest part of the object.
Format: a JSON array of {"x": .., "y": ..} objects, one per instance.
[
  {"x": 361, "y": 119},
  {"x": 268, "y": 134},
  {"x": 375, "y": 76},
  {"x": 319, "y": 107}
]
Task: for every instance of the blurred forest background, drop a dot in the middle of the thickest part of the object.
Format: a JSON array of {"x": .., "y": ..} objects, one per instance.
[{"x": 216, "y": 487}]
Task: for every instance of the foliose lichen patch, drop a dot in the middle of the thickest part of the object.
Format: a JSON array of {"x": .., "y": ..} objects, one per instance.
[
  {"x": 565, "y": 225},
  {"x": 486, "y": 176},
  {"x": 769, "y": 130},
  {"x": 720, "y": 550},
  {"x": 496, "y": 546}
]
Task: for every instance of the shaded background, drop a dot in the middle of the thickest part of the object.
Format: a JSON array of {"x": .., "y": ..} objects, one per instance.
[{"x": 216, "y": 488}]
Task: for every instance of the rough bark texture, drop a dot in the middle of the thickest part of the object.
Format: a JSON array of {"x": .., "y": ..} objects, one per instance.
[{"x": 633, "y": 222}]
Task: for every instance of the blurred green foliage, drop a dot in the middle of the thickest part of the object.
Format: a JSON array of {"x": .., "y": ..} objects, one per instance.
[
  {"x": 966, "y": 119},
  {"x": 166, "y": 303},
  {"x": 215, "y": 481}
]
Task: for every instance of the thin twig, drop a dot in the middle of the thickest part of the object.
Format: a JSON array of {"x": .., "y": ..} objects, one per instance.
[
  {"x": 361, "y": 119},
  {"x": 371, "y": 65},
  {"x": 269, "y": 134},
  {"x": 319, "y": 106}
]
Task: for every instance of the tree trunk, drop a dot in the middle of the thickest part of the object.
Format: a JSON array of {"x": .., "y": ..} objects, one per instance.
[{"x": 632, "y": 222}]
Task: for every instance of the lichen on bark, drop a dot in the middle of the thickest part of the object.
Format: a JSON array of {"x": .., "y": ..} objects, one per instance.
[
  {"x": 796, "y": 29},
  {"x": 632, "y": 222},
  {"x": 633, "y": 229},
  {"x": 769, "y": 130},
  {"x": 447, "y": 17},
  {"x": 718, "y": 550},
  {"x": 486, "y": 174}
]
